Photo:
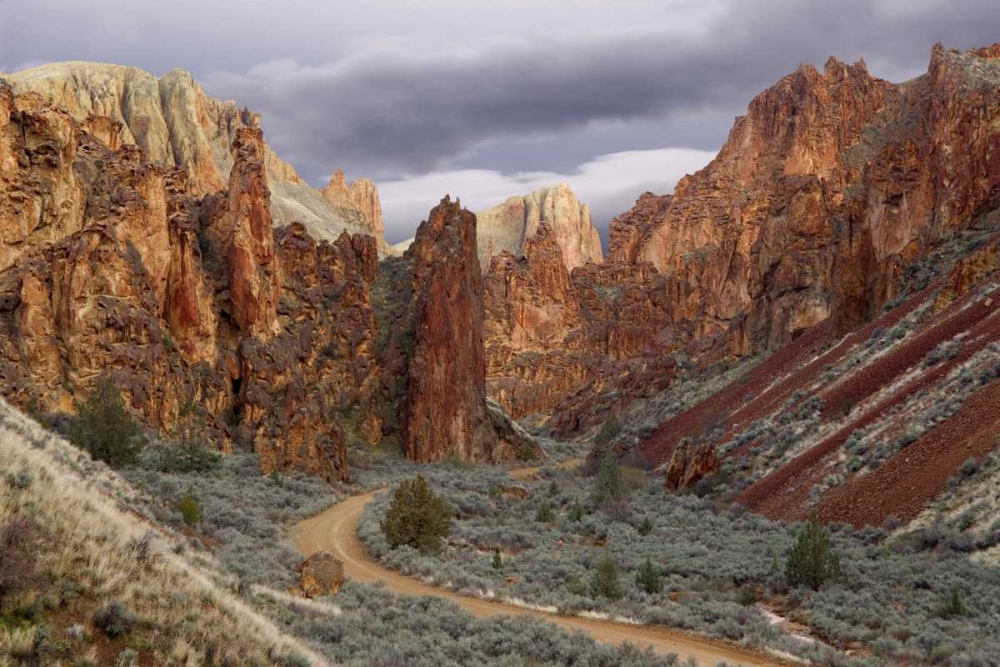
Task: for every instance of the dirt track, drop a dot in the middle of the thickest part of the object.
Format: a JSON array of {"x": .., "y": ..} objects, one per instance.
[{"x": 335, "y": 530}]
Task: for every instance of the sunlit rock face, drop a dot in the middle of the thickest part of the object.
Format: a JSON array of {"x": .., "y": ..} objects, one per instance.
[
  {"x": 177, "y": 125},
  {"x": 204, "y": 314},
  {"x": 511, "y": 225}
]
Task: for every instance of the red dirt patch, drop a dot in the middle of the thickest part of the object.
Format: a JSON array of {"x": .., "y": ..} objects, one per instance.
[{"x": 903, "y": 485}]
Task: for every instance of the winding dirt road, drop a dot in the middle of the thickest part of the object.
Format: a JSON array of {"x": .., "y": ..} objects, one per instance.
[{"x": 335, "y": 530}]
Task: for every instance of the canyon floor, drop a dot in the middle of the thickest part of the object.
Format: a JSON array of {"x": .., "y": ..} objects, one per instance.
[{"x": 335, "y": 530}]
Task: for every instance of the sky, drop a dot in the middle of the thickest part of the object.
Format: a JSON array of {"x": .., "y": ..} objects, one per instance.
[{"x": 484, "y": 100}]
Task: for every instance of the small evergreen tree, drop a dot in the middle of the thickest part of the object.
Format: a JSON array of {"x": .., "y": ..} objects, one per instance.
[
  {"x": 553, "y": 489},
  {"x": 417, "y": 517},
  {"x": 605, "y": 582},
  {"x": 190, "y": 508},
  {"x": 609, "y": 485},
  {"x": 544, "y": 514},
  {"x": 576, "y": 511},
  {"x": 953, "y": 605},
  {"x": 811, "y": 561},
  {"x": 646, "y": 527},
  {"x": 648, "y": 578},
  {"x": 105, "y": 428},
  {"x": 497, "y": 559}
]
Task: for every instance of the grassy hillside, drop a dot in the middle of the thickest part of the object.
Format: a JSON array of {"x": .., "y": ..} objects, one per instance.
[{"x": 83, "y": 582}]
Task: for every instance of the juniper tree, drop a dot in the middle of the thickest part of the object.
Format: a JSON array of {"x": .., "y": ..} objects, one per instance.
[
  {"x": 417, "y": 517},
  {"x": 605, "y": 582},
  {"x": 648, "y": 578},
  {"x": 811, "y": 561},
  {"x": 104, "y": 427},
  {"x": 609, "y": 485}
]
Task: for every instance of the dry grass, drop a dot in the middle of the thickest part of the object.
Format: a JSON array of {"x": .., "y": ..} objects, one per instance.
[{"x": 184, "y": 617}]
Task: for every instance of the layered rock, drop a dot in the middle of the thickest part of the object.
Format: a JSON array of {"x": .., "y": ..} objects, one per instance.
[
  {"x": 196, "y": 307},
  {"x": 509, "y": 226},
  {"x": 445, "y": 404},
  {"x": 177, "y": 124}
]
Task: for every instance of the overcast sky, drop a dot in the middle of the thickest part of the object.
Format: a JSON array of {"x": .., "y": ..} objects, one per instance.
[{"x": 485, "y": 101}]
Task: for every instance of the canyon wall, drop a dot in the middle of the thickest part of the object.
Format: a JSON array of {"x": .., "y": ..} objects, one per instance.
[{"x": 202, "y": 313}]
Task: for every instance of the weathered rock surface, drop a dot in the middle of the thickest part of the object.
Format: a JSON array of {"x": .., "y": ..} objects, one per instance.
[
  {"x": 320, "y": 574},
  {"x": 111, "y": 266},
  {"x": 826, "y": 189},
  {"x": 360, "y": 195},
  {"x": 690, "y": 464},
  {"x": 445, "y": 405},
  {"x": 177, "y": 124},
  {"x": 509, "y": 226}
]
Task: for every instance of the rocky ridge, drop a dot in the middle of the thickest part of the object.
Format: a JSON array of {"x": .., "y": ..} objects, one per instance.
[{"x": 177, "y": 124}]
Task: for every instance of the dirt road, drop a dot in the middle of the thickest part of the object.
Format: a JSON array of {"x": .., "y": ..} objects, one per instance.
[{"x": 335, "y": 530}]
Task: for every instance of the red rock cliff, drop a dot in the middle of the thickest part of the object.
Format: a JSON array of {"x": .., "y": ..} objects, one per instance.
[{"x": 445, "y": 404}]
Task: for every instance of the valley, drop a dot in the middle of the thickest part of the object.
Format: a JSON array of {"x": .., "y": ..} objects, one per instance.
[{"x": 759, "y": 427}]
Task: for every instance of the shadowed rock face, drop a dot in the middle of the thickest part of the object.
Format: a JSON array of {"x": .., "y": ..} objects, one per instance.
[
  {"x": 177, "y": 125},
  {"x": 110, "y": 265},
  {"x": 510, "y": 226},
  {"x": 445, "y": 404}
]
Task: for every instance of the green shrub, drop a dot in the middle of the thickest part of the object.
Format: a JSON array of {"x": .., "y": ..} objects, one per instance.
[
  {"x": 21, "y": 480},
  {"x": 417, "y": 517},
  {"x": 105, "y": 428},
  {"x": 497, "y": 560},
  {"x": 646, "y": 527},
  {"x": 649, "y": 578},
  {"x": 953, "y": 605},
  {"x": 190, "y": 508},
  {"x": 544, "y": 514},
  {"x": 811, "y": 562},
  {"x": 576, "y": 511},
  {"x": 605, "y": 582},
  {"x": 609, "y": 485},
  {"x": 127, "y": 658},
  {"x": 187, "y": 456}
]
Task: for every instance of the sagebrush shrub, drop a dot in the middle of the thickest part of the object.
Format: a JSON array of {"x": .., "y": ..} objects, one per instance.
[{"x": 115, "y": 619}]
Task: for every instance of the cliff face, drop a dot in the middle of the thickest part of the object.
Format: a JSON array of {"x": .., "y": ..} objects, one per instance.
[
  {"x": 825, "y": 191},
  {"x": 360, "y": 197},
  {"x": 509, "y": 226},
  {"x": 178, "y": 125},
  {"x": 112, "y": 266},
  {"x": 445, "y": 406}
]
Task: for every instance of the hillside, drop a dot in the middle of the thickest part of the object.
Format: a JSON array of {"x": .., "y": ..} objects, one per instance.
[{"x": 71, "y": 554}]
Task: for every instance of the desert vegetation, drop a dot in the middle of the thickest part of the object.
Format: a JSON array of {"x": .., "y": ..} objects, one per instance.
[{"x": 690, "y": 562}]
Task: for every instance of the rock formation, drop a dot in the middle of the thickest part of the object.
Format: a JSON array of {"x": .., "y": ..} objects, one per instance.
[
  {"x": 509, "y": 226},
  {"x": 690, "y": 464},
  {"x": 177, "y": 124},
  {"x": 111, "y": 265},
  {"x": 360, "y": 195},
  {"x": 445, "y": 405},
  {"x": 826, "y": 189},
  {"x": 320, "y": 574}
]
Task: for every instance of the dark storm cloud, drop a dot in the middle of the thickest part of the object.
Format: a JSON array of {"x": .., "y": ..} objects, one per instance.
[
  {"x": 388, "y": 88},
  {"x": 394, "y": 112}
]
